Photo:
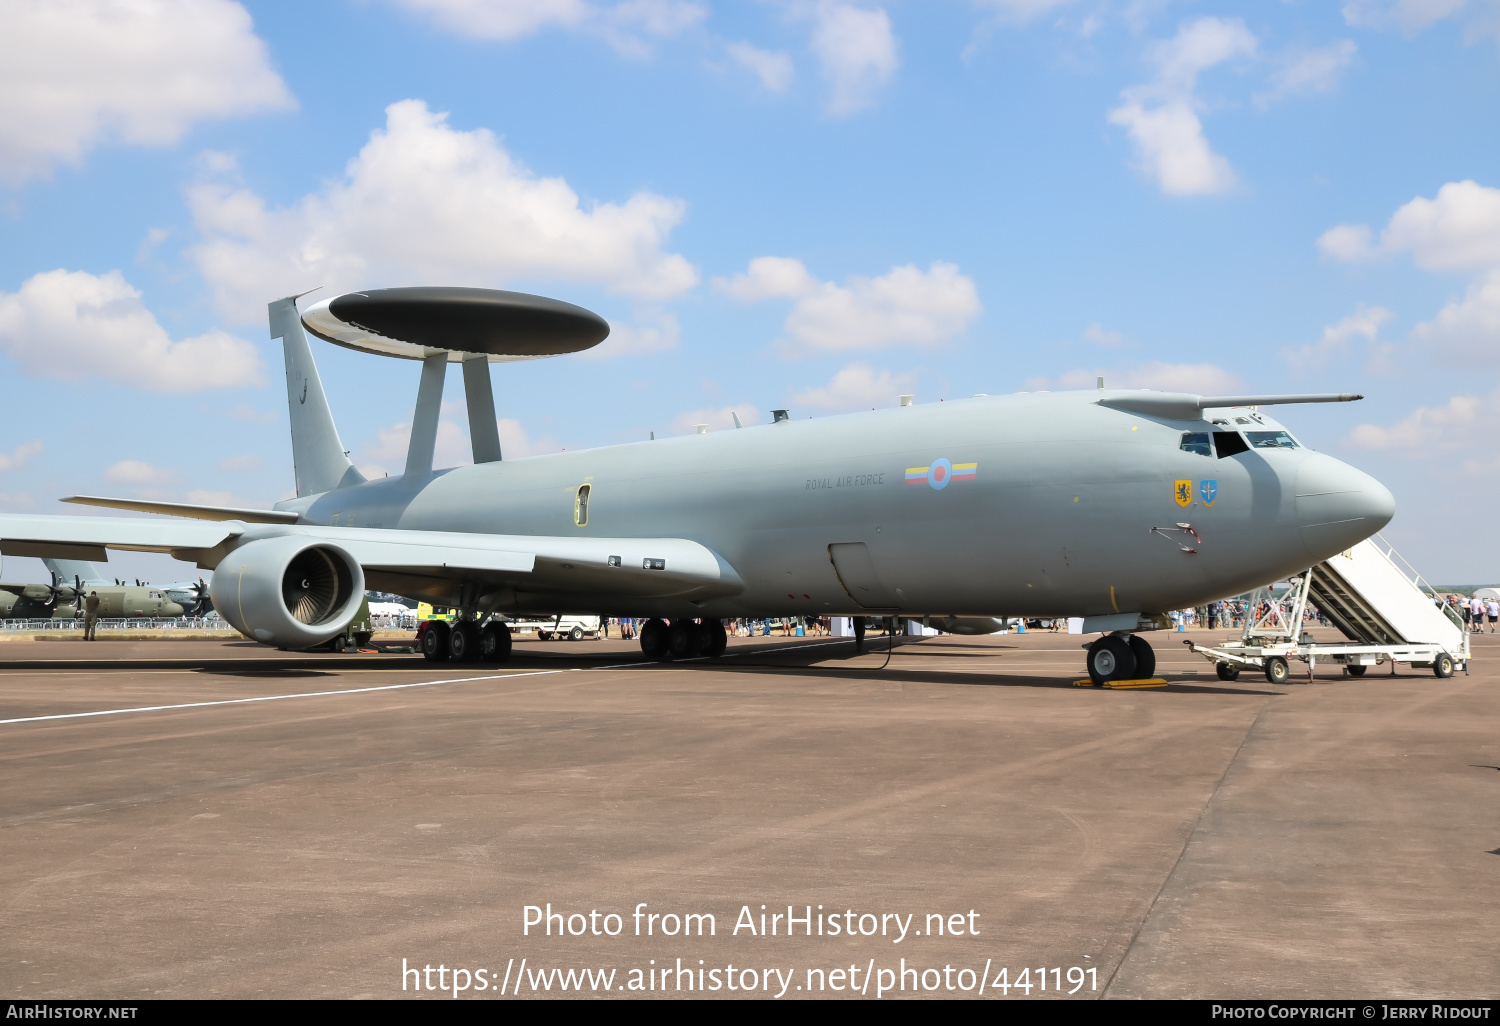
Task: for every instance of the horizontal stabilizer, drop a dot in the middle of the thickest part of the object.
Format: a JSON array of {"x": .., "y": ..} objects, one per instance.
[
  {"x": 1186, "y": 406},
  {"x": 187, "y": 509}
]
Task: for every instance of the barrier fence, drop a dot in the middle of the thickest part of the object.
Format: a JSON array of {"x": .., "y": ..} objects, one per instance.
[{"x": 180, "y": 624}]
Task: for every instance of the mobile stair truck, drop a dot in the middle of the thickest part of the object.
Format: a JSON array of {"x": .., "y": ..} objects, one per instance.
[{"x": 1385, "y": 610}]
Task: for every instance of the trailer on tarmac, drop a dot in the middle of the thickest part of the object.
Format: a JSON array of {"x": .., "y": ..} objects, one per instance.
[{"x": 1388, "y": 613}]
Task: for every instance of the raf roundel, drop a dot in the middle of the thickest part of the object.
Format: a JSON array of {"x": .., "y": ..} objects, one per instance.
[{"x": 940, "y": 473}]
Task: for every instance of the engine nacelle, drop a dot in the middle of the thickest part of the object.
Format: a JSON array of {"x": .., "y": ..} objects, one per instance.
[{"x": 291, "y": 591}]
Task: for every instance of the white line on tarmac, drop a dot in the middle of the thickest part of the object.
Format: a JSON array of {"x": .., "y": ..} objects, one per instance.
[{"x": 272, "y": 698}]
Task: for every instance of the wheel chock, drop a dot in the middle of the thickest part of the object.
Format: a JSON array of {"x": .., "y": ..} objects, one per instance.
[{"x": 1122, "y": 685}]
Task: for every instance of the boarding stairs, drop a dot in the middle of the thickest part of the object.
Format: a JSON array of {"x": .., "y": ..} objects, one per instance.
[{"x": 1376, "y": 599}]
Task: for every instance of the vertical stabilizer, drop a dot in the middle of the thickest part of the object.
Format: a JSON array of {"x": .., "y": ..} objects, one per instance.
[
  {"x": 66, "y": 569},
  {"x": 318, "y": 456}
]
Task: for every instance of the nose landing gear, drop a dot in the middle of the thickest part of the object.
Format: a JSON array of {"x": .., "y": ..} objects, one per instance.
[{"x": 1121, "y": 657}]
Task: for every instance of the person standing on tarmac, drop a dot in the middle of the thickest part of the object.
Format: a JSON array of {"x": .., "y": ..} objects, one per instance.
[{"x": 90, "y": 616}]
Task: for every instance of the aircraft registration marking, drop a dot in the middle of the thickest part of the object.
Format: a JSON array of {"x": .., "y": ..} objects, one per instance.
[{"x": 940, "y": 472}]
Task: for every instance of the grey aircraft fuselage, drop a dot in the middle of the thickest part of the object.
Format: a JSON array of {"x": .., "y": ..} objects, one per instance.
[{"x": 1055, "y": 518}]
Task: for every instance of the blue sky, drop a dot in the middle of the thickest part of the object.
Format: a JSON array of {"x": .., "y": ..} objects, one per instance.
[{"x": 818, "y": 204}]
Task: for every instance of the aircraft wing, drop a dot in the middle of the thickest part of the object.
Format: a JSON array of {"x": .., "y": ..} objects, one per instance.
[{"x": 408, "y": 562}]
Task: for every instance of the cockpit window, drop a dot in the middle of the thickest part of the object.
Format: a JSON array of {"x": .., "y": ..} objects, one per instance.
[
  {"x": 1197, "y": 442},
  {"x": 1229, "y": 443},
  {"x": 1271, "y": 440}
]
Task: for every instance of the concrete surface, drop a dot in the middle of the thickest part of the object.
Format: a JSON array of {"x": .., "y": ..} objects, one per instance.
[{"x": 1221, "y": 840}]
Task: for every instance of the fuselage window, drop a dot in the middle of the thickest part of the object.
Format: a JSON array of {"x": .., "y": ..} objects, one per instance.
[
  {"x": 1229, "y": 443},
  {"x": 581, "y": 506},
  {"x": 1271, "y": 440},
  {"x": 1196, "y": 441}
]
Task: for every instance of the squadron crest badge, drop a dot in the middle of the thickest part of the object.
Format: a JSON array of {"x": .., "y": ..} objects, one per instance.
[
  {"x": 1182, "y": 491},
  {"x": 1209, "y": 490}
]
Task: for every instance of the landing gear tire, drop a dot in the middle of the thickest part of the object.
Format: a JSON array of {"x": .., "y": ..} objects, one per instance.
[
  {"x": 718, "y": 638},
  {"x": 1145, "y": 657},
  {"x": 1110, "y": 658},
  {"x": 1355, "y": 670},
  {"x": 362, "y": 639},
  {"x": 463, "y": 642},
  {"x": 684, "y": 640},
  {"x": 1277, "y": 671},
  {"x": 494, "y": 642},
  {"x": 654, "y": 639},
  {"x": 1227, "y": 671},
  {"x": 576, "y": 634},
  {"x": 435, "y": 641},
  {"x": 1442, "y": 666},
  {"x": 544, "y": 635}
]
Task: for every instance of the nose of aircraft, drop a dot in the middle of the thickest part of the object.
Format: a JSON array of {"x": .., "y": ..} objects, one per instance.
[{"x": 1338, "y": 506}]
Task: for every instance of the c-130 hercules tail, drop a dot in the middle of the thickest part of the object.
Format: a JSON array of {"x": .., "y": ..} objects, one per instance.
[{"x": 1111, "y": 505}]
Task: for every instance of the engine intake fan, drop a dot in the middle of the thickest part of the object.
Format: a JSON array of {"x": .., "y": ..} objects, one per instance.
[{"x": 290, "y": 591}]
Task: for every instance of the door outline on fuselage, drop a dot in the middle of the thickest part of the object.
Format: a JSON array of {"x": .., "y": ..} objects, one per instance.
[{"x": 855, "y": 570}]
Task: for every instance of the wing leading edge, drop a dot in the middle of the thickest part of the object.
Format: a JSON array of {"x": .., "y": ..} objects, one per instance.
[{"x": 433, "y": 563}]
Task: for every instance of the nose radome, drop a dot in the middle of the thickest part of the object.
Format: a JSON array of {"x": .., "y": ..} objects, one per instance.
[{"x": 1338, "y": 506}]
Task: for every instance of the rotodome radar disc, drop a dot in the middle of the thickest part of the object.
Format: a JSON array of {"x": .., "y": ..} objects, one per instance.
[{"x": 414, "y": 323}]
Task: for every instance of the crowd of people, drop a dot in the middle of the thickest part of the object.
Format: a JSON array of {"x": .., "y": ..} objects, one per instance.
[
  {"x": 1475, "y": 611},
  {"x": 627, "y": 628}
]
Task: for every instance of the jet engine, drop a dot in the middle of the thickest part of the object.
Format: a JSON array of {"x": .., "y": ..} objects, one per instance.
[{"x": 292, "y": 592}]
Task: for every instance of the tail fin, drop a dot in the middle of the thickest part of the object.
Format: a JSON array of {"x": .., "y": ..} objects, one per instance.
[
  {"x": 318, "y": 457},
  {"x": 67, "y": 569}
]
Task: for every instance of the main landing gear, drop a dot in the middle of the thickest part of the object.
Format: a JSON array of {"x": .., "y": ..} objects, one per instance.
[
  {"x": 465, "y": 641},
  {"x": 1121, "y": 657},
  {"x": 683, "y": 639}
]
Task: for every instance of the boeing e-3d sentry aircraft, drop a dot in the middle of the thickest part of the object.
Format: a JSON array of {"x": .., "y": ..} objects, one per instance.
[{"x": 1115, "y": 506}]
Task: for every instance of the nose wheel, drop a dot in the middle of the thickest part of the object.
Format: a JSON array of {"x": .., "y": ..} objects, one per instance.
[{"x": 1114, "y": 657}]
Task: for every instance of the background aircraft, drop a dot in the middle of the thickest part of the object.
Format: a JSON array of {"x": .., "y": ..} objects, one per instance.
[
  {"x": 60, "y": 598},
  {"x": 1110, "y": 505}
]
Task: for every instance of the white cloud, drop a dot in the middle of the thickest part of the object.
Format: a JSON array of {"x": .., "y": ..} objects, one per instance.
[
  {"x": 1457, "y": 230},
  {"x": 1466, "y": 332},
  {"x": 423, "y": 202},
  {"x": 1410, "y": 16},
  {"x": 1200, "y": 378},
  {"x": 138, "y": 472},
  {"x": 515, "y": 443},
  {"x": 1095, "y": 333},
  {"x": 1019, "y": 12},
  {"x": 1352, "y": 243},
  {"x": 1309, "y": 71},
  {"x": 769, "y": 278},
  {"x": 246, "y": 412},
  {"x": 907, "y": 306},
  {"x": 856, "y": 387},
  {"x": 1162, "y": 115},
  {"x": 1457, "y": 423},
  {"x": 75, "y": 73},
  {"x": 18, "y": 457},
  {"x": 654, "y": 332},
  {"x": 621, "y": 24},
  {"x": 773, "y": 68},
  {"x": 717, "y": 418},
  {"x": 18, "y": 503},
  {"x": 239, "y": 464},
  {"x": 387, "y": 453},
  {"x": 857, "y": 51},
  {"x": 1364, "y": 322},
  {"x": 72, "y": 325}
]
